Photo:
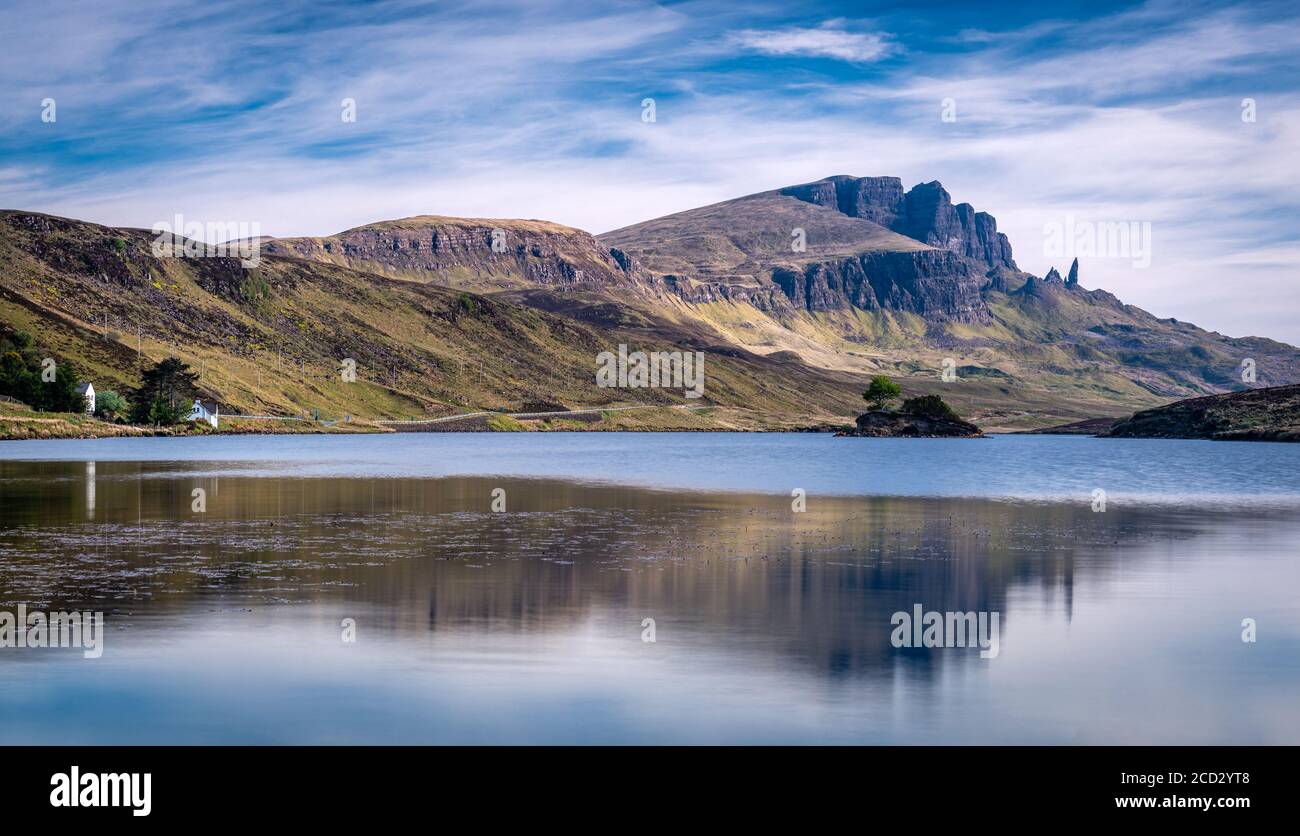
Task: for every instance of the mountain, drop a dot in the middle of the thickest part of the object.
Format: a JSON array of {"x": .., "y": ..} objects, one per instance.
[
  {"x": 838, "y": 243},
  {"x": 270, "y": 340},
  {"x": 906, "y": 282},
  {"x": 796, "y": 295},
  {"x": 1271, "y": 414}
]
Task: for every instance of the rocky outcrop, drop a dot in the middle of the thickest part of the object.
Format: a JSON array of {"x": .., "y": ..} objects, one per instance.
[
  {"x": 766, "y": 298},
  {"x": 877, "y": 199},
  {"x": 925, "y": 213},
  {"x": 881, "y": 424},
  {"x": 1270, "y": 414},
  {"x": 441, "y": 249},
  {"x": 936, "y": 284},
  {"x": 1073, "y": 278}
]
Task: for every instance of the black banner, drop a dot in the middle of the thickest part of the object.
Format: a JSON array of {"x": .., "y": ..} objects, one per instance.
[{"x": 237, "y": 785}]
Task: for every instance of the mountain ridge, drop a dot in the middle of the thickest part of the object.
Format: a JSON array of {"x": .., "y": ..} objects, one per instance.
[{"x": 843, "y": 277}]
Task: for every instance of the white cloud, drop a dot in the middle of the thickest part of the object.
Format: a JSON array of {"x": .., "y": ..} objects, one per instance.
[
  {"x": 536, "y": 113},
  {"x": 825, "y": 41}
]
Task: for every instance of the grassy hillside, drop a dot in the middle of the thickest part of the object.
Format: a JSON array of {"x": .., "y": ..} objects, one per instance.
[
  {"x": 737, "y": 240},
  {"x": 439, "y": 322},
  {"x": 271, "y": 339}
]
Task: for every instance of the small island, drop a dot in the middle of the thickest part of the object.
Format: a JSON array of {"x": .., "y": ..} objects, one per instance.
[{"x": 924, "y": 416}]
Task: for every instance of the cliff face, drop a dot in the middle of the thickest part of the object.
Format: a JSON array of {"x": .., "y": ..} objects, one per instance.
[
  {"x": 863, "y": 242},
  {"x": 877, "y": 199},
  {"x": 470, "y": 252},
  {"x": 936, "y": 284},
  {"x": 925, "y": 213}
]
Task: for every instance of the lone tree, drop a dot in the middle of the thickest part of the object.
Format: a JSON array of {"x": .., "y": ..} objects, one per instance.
[
  {"x": 881, "y": 391},
  {"x": 165, "y": 392}
]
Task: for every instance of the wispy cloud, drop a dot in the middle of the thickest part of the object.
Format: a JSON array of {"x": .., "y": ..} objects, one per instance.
[
  {"x": 231, "y": 110},
  {"x": 828, "y": 40}
]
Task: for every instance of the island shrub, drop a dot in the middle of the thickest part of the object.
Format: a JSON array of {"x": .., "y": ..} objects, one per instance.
[{"x": 930, "y": 406}]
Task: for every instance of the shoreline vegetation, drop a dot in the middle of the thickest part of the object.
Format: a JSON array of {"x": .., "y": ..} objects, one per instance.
[
  {"x": 157, "y": 408},
  {"x": 18, "y": 422},
  {"x": 1270, "y": 414}
]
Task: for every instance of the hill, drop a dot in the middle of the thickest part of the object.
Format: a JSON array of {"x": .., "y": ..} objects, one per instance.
[
  {"x": 1271, "y": 414},
  {"x": 271, "y": 339}
]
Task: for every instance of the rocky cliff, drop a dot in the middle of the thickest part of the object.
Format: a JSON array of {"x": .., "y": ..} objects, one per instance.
[
  {"x": 476, "y": 253},
  {"x": 839, "y": 243},
  {"x": 935, "y": 284},
  {"x": 835, "y": 244},
  {"x": 924, "y": 213}
]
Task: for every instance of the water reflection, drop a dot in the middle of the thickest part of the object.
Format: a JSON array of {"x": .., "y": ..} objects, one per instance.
[{"x": 799, "y": 600}]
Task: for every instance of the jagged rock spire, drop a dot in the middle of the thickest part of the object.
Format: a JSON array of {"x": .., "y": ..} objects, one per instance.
[{"x": 1073, "y": 278}]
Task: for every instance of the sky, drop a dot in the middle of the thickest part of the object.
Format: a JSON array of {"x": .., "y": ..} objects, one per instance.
[{"x": 1180, "y": 121}]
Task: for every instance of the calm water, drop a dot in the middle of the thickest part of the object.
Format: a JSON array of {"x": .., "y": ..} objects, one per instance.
[{"x": 526, "y": 625}]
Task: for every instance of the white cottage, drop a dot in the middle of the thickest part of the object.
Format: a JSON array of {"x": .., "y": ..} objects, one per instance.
[
  {"x": 209, "y": 412},
  {"x": 88, "y": 392}
]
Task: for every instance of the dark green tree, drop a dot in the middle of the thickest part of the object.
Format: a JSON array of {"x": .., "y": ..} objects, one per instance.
[
  {"x": 16, "y": 379},
  {"x": 165, "y": 394},
  {"x": 881, "y": 391},
  {"x": 23, "y": 373},
  {"x": 930, "y": 406},
  {"x": 60, "y": 394}
]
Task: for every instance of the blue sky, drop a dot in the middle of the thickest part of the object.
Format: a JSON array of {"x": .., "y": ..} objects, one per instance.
[{"x": 1095, "y": 112}]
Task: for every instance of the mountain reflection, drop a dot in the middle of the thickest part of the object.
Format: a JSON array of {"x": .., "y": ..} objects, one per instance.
[{"x": 814, "y": 589}]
